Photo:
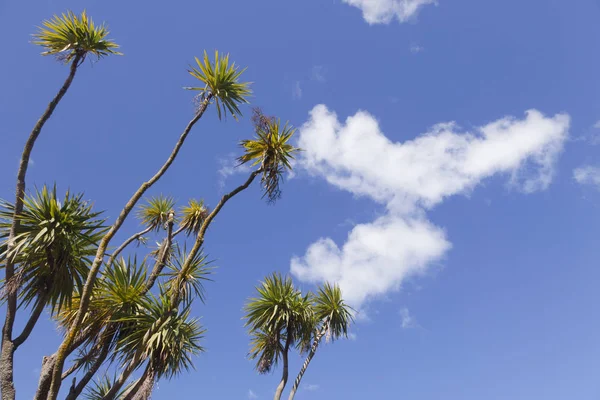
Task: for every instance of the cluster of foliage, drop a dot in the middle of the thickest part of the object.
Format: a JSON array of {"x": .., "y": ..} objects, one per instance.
[
  {"x": 132, "y": 313},
  {"x": 281, "y": 318}
]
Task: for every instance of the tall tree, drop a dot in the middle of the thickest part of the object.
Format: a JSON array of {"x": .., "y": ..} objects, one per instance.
[
  {"x": 71, "y": 38},
  {"x": 332, "y": 318},
  {"x": 222, "y": 86},
  {"x": 277, "y": 318}
]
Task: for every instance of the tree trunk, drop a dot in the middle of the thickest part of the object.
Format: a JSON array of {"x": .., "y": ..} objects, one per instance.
[
  {"x": 7, "y": 368},
  {"x": 8, "y": 349},
  {"x": 45, "y": 377},
  {"x": 284, "y": 375},
  {"x": 145, "y": 390},
  {"x": 48, "y": 363},
  {"x": 143, "y": 387},
  {"x": 103, "y": 245},
  {"x": 310, "y": 356}
]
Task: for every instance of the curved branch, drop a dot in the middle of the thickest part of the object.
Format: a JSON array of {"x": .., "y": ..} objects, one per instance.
[
  {"x": 8, "y": 349},
  {"x": 33, "y": 319},
  {"x": 161, "y": 260},
  {"x": 92, "y": 371},
  {"x": 95, "y": 267},
  {"x": 309, "y": 357},
  {"x": 202, "y": 232},
  {"x": 125, "y": 244}
]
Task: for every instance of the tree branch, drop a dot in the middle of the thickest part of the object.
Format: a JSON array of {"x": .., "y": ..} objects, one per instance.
[
  {"x": 6, "y": 359},
  {"x": 95, "y": 267},
  {"x": 202, "y": 232},
  {"x": 161, "y": 260},
  {"x": 33, "y": 319},
  {"x": 125, "y": 244},
  {"x": 87, "y": 377}
]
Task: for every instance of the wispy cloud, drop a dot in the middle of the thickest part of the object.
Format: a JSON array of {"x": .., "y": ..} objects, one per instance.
[
  {"x": 252, "y": 395},
  {"x": 311, "y": 387},
  {"x": 352, "y": 336},
  {"x": 408, "y": 321},
  {"x": 594, "y": 136},
  {"x": 318, "y": 73},
  {"x": 230, "y": 166},
  {"x": 587, "y": 175},
  {"x": 416, "y": 48},
  {"x": 297, "y": 90},
  {"x": 356, "y": 156},
  {"x": 384, "y": 11}
]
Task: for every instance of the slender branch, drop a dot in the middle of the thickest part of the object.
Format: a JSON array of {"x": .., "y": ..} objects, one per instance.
[
  {"x": 178, "y": 231},
  {"x": 137, "y": 357},
  {"x": 132, "y": 365},
  {"x": 95, "y": 267},
  {"x": 87, "y": 377},
  {"x": 309, "y": 357},
  {"x": 126, "y": 243},
  {"x": 202, "y": 232},
  {"x": 6, "y": 359},
  {"x": 284, "y": 375},
  {"x": 76, "y": 365},
  {"x": 33, "y": 319},
  {"x": 162, "y": 258}
]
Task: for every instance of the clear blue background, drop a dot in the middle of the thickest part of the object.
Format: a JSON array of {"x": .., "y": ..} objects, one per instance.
[{"x": 512, "y": 313}]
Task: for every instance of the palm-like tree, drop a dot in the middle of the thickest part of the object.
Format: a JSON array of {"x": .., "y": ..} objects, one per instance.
[
  {"x": 277, "y": 319},
  {"x": 191, "y": 281},
  {"x": 222, "y": 85},
  {"x": 156, "y": 212},
  {"x": 51, "y": 249},
  {"x": 332, "y": 316},
  {"x": 70, "y": 37},
  {"x": 271, "y": 149},
  {"x": 272, "y": 152},
  {"x": 119, "y": 293},
  {"x": 167, "y": 345},
  {"x": 193, "y": 216}
]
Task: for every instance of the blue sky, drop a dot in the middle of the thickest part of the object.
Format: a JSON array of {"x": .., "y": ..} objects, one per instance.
[{"x": 463, "y": 225}]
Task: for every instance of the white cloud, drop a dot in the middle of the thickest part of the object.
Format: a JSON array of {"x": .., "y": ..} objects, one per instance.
[
  {"x": 230, "y": 166},
  {"x": 408, "y": 179},
  {"x": 297, "y": 90},
  {"x": 371, "y": 261},
  {"x": 587, "y": 175},
  {"x": 311, "y": 387},
  {"x": 352, "y": 336},
  {"x": 408, "y": 321},
  {"x": 384, "y": 11},
  {"x": 252, "y": 395}
]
